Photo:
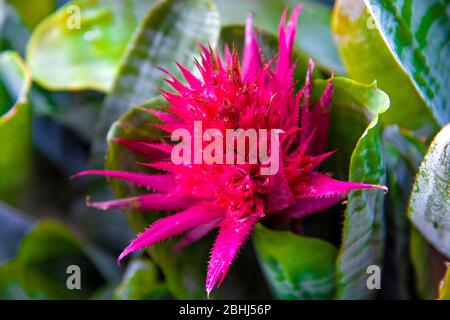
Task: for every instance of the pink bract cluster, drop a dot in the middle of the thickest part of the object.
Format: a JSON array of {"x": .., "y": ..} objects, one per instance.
[{"x": 254, "y": 94}]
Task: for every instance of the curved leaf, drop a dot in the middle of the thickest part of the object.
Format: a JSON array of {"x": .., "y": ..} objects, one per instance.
[
  {"x": 429, "y": 205},
  {"x": 417, "y": 32},
  {"x": 354, "y": 106},
  {"x": 40, "y": 269},
  {"x": 403, "y": 153},
  {"x": 363, "y": 232},
  {"x": 15, "y": 126},
  {"x": 296, "y": 267},
  {"x": 170, "y": 32},
  {"x": 81, "y": 45},
  {"x": 367, "y": 58},
  {"x": 141, "y": 282}
]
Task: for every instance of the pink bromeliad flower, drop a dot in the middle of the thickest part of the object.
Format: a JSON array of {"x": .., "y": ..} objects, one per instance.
[{"x": 234, "y": 197}]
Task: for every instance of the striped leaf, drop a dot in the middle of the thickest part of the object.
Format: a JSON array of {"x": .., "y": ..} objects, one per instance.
[
  {"x": 355, "y": 132},
  {"x": 416, "y": 31},
  {"x": 169, "y": 33},
  {"x": 296, "y": 267},
  {"x": 141, "y": 282},
  {"x": 429, "y": 204},
  {"x": 367, "y": 57}
]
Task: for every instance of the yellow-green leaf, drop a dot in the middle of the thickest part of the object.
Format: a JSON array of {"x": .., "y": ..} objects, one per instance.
[
  {"x": 417, "y": 32},
  {"x": 296, "y": 267},
  {"x": 81, "y": 45},
  {"x": 366, "y": 58},
  {"x": 15, "y": 126},
  {"x": 32, "y": 12}
]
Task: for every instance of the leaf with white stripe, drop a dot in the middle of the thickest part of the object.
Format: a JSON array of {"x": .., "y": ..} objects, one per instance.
[{"x": 429, "y": 204}]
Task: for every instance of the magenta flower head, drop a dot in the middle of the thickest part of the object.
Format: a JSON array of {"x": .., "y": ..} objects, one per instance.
[{"x": 233, "y": 196}]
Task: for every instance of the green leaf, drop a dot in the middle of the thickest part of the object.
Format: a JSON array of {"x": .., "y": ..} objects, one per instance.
[
  {"x": 416, "y": 31},
  {"x": 366, "y": 58},
  {"x": 40, "y": 268},
  {"x": 141, "y": 282},
  {"x": 15, "y": 126},
  {"x": 429, "y": 267},
  {"x": 430, "y": 202},
  {"x": 359, "y": 143},
  {"x": 403, "y": 153},
  {"x": 81, "y": 45},
  {"x": 354, "y": 105},
  {"x": 444, "y": 288},
  {"x": 10, "y": 288},
  {"x": 363, "y": 231},
  {"x": 314, "y": 32},
  {"x": 296, "y": 267},
  {"x": 169, "y": 33},
  {"x": 30, "y": 12}
]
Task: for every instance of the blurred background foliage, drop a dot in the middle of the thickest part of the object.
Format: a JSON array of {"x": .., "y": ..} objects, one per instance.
[{"x": 74, "y": 73}]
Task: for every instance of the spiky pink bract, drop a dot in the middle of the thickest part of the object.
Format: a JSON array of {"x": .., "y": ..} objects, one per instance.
[{"x": 233, "y": 198}]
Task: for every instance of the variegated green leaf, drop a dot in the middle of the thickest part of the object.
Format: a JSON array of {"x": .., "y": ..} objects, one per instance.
[
  {"x": 403, "y": 153},
  {"x": 363, "y": 231},
  {"x": 429, "y": 205},
  {"x": 354, "y": 105},
  {"x": 417, "y": 32},
  {"x": 355, "y": 132},
  {"x": 367, "y": 57},
  {"x": 169, "y": 33},
  {"x": 296, "y": 267},
  {"x": 141, "y": 282}
]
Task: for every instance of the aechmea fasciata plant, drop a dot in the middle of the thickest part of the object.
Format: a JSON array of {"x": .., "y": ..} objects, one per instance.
[{"x": 252, "y": 94}]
